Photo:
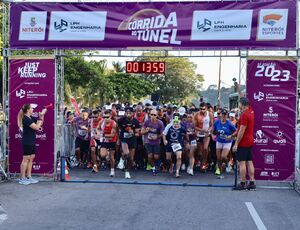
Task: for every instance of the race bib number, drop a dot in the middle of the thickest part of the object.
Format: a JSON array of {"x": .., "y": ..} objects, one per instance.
[
  {"x": 128, "y": 135},
  {"x": 82, "y": 132},
  {"x": 152, "y": 136},
  {"x": 193, "y": 143},
  {"x": 176, "y": 147}
]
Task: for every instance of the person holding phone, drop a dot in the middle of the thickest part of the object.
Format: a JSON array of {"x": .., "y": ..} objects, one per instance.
[{"x": 29, "y": 125}]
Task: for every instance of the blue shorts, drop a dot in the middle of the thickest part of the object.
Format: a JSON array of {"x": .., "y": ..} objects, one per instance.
[{"x": 169, "y": 148}]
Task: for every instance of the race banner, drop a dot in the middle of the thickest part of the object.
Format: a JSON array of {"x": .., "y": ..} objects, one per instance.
[
  {"x": 32, "y": 81},
  {"x": 272, "y": 91},
  {"x": 162, "y": 25}
]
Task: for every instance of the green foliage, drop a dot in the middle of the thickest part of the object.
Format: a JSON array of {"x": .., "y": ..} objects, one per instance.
[
  {"x": 180, "y": 82},
  {"x": 92, "y": 83}
]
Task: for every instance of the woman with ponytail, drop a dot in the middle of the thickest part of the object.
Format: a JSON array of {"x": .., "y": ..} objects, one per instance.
[{"x": 29, "y": 126}]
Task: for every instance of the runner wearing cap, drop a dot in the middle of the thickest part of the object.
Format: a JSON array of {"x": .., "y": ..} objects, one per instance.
[
  {"x": 108, "y": 129},
  {"x": 224, "y": 130},
  {"x": 173, "y": 137},
  {"x": 203, "y": 125},
  {"x": 129, "y": 128},
  {"x": 152, "y": 131}
]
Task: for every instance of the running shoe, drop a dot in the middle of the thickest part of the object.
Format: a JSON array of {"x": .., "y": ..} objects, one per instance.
[
  {"x": 240, "y": 187},
  {"x": 127, "y": 175},
  {"x": 183, "y": 167},
  {"x": 198, "y": 164},
  {"x": 121, "y": 164},
  {"x": 89, "y": 165},
  {"x": 188, "y": 169},
  {"x": 32, "y": 181},
  {"x": 191, "y": 172},
  {"x": 95, "y": 169},
  {"x": 149, "y": 167},
  {"x": 204, "y": 168},
  {"x": 228, "y": 168},
  {"x": 24, "y": 181},
  {"x": 220, "y": 177},
  {"x": 251, "y": 187},
  {"x": 217, "y": 172},
  {"x": 177, "y": 174},
  {"x": 154, "y": 172},
  {"x": 112, "y": 173}
]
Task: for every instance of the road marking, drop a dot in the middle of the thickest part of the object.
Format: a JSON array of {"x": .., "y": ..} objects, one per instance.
[
  {"x": 259, "y": 224},
  {"x": 3, "y": 215}
]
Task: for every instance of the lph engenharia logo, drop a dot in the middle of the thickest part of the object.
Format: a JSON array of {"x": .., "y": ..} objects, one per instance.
[{"x": 151, "y": 25}]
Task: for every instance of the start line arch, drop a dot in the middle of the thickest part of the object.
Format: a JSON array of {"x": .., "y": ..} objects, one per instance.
[{"x": 183, "y": 29}]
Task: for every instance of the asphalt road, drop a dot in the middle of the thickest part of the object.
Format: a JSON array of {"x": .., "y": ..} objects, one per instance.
[{"x": 50, "y": 205}]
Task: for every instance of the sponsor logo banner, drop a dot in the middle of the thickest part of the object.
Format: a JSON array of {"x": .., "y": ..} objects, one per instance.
[
  {"x": 77, "y": 26},
  {"x": 33, "y": 26},
  {"x": 271, "y": 88},
  {"x": 32, "y": 81},
  {"x": 155, "y": 25},
  {"x": 272, "y": 24},
  {"x": 222, "y": 25}
]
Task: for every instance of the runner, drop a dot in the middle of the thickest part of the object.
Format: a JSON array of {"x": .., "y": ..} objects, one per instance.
[
  {"x": 173, "y": 137},
  {"x": 190, "y": 146},
  {"x": 129, "y": 128},
  {"x": 224, "y": 130},
  {"x": 82, "y": 142},
  {"x": 204, "y": 123},
  {"x": 152, "y": 131},
  {"x": 140, "y": 157},
  {"x": 108, "y": 129},
  {"x": 95, "y": 142}
]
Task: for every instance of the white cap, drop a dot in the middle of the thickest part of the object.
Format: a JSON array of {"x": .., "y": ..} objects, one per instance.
[
  {"x": 231, "y": 114},
  {"x": 181, "y": 111}
]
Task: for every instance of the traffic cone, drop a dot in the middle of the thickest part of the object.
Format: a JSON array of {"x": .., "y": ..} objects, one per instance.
[{"x": 67, "y": 175}]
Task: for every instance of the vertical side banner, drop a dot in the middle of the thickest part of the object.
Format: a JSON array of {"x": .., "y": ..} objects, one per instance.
[
  {"x": 32, "y": 81},
  {"x": 271, "y": 88}
]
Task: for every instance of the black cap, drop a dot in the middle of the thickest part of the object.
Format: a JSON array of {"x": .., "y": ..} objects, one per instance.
[
  {"x": 224, "y": 111},
  {"x": 128, "y": 109}
]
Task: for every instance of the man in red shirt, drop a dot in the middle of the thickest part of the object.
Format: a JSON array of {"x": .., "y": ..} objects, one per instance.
[{"x": 244, "y": 143}]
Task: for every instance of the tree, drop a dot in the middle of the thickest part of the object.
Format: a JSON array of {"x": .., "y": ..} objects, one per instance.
[
  {"x": 118, "y": 68},
  {"x": 128, "y": 87},
  {"x": 180, "y": 81}
]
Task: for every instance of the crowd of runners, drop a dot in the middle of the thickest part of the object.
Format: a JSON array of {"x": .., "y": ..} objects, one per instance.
[{"x": 154, "y": 137}]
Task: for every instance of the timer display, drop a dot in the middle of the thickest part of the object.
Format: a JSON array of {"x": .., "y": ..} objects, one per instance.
[{"x": 145, "y": 67}]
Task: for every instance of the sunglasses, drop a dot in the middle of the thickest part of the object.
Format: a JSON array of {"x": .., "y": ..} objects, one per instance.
[
  {"x": 106, "y": 117},
  {"x": 153, "y": 115},
  {"x": 203, "y": 109}
]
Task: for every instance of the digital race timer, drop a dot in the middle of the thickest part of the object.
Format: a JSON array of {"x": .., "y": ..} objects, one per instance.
[{"x": 145, "y": 67}]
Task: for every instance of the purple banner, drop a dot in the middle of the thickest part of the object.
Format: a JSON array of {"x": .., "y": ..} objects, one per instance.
[
  {"x": 271, "y": 88},
  {"x": 169, "y": 25},
  {"x": 32, "y": 81}
]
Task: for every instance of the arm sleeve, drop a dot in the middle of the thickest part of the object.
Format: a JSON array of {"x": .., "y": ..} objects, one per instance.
[{"x": 165, "y": 132}]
